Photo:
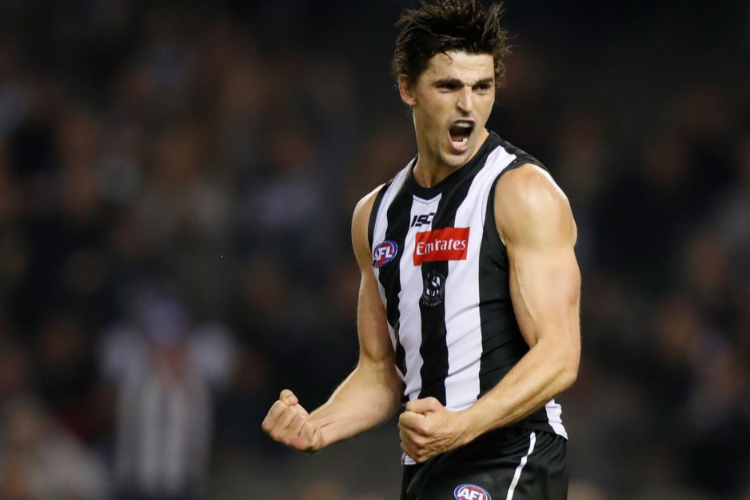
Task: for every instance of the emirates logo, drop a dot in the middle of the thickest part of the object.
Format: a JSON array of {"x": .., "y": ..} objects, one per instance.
[{"x": 450, "y": 243}]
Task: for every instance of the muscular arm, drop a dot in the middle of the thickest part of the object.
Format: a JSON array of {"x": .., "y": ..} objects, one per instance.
[
  {"x": 371, "y": 393},
  {"x": 535, "y": 223}
]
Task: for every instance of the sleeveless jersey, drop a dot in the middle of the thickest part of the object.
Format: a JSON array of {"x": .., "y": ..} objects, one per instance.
[{"x": 443, "y": 276}]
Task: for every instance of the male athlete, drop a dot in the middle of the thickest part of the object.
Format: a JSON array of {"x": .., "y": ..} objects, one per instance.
[{"x": 468, "y": 305}]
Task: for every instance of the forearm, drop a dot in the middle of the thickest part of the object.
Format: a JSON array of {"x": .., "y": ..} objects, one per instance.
[
  {"x": 546, "y": 370},
  {"x": 368, "y": 397}
]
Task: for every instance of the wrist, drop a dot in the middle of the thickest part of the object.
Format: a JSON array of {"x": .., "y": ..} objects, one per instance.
[{"x": 467, "y": 426}]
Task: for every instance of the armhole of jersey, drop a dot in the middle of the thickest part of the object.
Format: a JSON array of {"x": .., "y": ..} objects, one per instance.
[
  {"x": 490, "y": 223},
  {"x": 374, "y": 213}
]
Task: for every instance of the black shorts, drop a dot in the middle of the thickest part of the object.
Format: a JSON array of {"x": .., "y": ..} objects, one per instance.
[{"x": 507, "y": 464}]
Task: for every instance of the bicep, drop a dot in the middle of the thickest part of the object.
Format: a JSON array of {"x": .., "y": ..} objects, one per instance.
[
  {"x": 374, "y": 338},
  {"x": 545, "y": 290},
  {"x": 535, "y": 219}
]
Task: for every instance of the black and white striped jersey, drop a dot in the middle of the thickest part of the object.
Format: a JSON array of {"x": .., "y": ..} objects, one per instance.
[{"x": 443, "y": 276}]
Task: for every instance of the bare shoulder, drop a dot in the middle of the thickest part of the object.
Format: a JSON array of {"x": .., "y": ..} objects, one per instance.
[
  {"x": 529, "y": 204},
  {"x": 360, "y": 223}
]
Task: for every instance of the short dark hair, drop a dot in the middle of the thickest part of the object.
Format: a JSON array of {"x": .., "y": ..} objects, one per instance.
[{"x": 461, "y": 25}]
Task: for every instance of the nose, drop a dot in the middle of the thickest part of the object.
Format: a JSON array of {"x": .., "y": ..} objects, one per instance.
[{"x": 465, "y": 102}]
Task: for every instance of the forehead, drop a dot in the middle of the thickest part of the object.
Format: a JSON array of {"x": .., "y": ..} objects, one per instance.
[{"x": 460, "y": 65}]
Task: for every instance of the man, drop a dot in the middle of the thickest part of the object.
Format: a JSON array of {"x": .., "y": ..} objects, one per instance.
[{"x": 468, "y": 305}]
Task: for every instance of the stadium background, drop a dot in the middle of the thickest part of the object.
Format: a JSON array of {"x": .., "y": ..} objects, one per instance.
[{"x": 176, "y": 184}]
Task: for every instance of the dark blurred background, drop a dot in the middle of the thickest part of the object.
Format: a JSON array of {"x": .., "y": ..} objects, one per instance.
[{"x": 176, "y": 186}]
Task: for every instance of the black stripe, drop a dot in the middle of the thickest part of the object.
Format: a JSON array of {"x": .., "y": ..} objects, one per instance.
[
  {"x": 522, "y": 157},
  {"x": 390, "y": 274},
  {"x": 374, "y": 212},
  {"x": 502, "y": 342}
]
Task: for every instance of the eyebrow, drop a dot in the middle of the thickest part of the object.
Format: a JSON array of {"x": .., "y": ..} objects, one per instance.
[{"x": 456, "y": 81}]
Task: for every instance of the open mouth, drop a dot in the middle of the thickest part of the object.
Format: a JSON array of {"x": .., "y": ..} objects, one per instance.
[{"x": 460, "y": 132}]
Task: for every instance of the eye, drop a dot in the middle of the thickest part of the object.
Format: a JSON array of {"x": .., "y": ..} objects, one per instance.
[
  {"x": 482, "y": 87},
  {"x": 449, "y": 86}
]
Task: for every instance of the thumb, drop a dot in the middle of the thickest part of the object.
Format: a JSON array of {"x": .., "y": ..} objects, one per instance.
[
  {"x": 288, "y": 397},
  {"x": 423, "y": 405}
]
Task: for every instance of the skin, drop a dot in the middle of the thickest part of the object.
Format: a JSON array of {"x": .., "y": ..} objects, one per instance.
[
  {"x": 455, "y": 86},
  {"x": 372, "y": 392},
  {"x": 534, "y": 221}
]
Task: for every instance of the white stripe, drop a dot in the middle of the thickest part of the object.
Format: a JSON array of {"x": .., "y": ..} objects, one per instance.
[
  {"x": 412, "y": 287},
  {"x": 554, "y": 412},
  {"x": 462, "y": 319},
  {"x": 517, "y": 475}
]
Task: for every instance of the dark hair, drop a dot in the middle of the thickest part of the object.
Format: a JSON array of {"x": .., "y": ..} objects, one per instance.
[{"x": 463, "y": 25}]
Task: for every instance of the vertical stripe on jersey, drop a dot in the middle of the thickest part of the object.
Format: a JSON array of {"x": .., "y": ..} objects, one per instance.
[
  {"x": 554, "y": 417},
  {"x": 413, "y": 312},
  {"x": 374, "y": 213},
  {"x": 465, "y": 351},
  {"x": 393, "y": 228}
]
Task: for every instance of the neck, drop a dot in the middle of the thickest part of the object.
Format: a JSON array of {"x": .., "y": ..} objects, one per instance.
[{"x": 431, "y": 170}]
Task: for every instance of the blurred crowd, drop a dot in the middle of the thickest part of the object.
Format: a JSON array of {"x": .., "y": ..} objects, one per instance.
[{"x": 176, "y": 186}]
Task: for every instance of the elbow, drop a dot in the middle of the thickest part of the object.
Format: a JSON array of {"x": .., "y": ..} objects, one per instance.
[
  {"x": 569, "y": 376},
  {"x": 569, "y": 370}
]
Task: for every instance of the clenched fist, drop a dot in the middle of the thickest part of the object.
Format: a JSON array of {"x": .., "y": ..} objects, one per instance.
[
  {"x": 427, "y": 429},
  {"x": 288, "y": 423}
]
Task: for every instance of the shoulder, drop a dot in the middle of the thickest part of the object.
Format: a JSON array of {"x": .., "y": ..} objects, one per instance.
[
  {"x": 364, "y": 208},
  {"x": 527, "y": 201},
  {"x": 361, "y": 222}
]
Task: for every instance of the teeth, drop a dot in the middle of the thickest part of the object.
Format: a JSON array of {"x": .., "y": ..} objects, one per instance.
[{"x": 463, "y": 125}]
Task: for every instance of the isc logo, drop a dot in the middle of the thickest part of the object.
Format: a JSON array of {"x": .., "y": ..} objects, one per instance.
[
  {"x": 422, "y": 220},
  {"x": 384, "y": 253},
  {"x": 471, "y": 492}
]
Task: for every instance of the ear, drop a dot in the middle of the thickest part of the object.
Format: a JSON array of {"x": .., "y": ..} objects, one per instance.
[{"x": 405, "y": 90}]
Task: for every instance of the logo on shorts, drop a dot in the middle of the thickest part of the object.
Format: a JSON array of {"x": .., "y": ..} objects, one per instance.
[
  {"x": 450, "y": 243},
  {"x": 384, "y": 253},
  {"x": 471, "y": 492},
  {"x": 434, "y": 288}
]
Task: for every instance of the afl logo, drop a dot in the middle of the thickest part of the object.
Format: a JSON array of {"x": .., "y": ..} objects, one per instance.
[
  {"x": 471, "y": 492},
  {"x": 384, "y": 253}
]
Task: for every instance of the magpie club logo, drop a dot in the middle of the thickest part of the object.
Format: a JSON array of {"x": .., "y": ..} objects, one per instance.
[
  {"x": 434, "y": 289},
  {"x": 471, "y": 492},
  {"x": 450, "y": 243},
  {"x": 384, "y": 253}
]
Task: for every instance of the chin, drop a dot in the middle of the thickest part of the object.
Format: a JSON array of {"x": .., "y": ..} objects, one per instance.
[{"x": 455, "y": 159}]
